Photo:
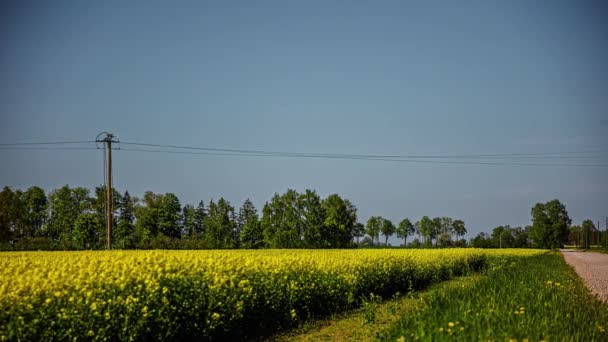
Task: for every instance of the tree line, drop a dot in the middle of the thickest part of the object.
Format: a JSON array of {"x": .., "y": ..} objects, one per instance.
[
  {"x": 551, "y": 228},
  {"x": 75, "y": 218}
]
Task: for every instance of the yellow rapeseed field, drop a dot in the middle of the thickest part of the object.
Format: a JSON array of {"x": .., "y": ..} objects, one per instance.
[{"x": 135, "y": 295}]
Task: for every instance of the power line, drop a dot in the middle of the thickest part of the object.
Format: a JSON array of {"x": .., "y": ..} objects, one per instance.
[
  {"x": 47, "y": 148},
  {"x": 466, "y": 156},
  {"x": 48, "y": 143},
  {"x": 325, "y": 156}
]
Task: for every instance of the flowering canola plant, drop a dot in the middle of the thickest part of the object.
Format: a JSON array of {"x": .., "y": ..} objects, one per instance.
[{"x": 140, "y": 295}]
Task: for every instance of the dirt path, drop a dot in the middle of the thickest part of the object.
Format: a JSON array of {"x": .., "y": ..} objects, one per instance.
[{"x": 593, "y": 268}]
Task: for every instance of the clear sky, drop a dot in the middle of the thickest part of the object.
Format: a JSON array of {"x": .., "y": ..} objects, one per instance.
[{"x": 402, "y": 77}]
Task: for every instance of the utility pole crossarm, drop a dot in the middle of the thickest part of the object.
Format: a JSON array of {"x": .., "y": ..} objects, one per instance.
[{"x": 108, "y": 139}]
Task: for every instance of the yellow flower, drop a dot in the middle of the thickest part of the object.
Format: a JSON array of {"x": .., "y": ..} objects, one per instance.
[
  {"x": 451, "y": 324},
  {"x": 215, "y": 316}
]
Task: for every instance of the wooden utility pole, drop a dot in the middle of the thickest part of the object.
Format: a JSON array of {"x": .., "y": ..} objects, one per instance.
[{"x": 108, "y": 140}]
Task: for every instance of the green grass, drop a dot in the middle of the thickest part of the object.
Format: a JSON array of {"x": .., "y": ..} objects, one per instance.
[
  {"x": 537, "y": 298},
  {"x": 352, "y": 325}
]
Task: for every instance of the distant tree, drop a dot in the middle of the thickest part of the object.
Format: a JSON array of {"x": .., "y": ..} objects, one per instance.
[
  {"x": 188, "y": 221},
  {"x": 520, "y": 237},
  {"x": 86, "y": 231},
  {"x": 281, "y": 221},
  {"x": 502, "y": 237},
  {"x": 36, "y": 205},
  {"x": 199, "y": 216},
  {"x": 426, "y": 227},
  {"x": 219, "y": 227},
  {"x": 358, "y": 231},
  {"x": 12, "y": 213},
  {"x": 405, "y": 229},
  {"x": 251, "y": 235},
  {"x": 125, "y": 229},
  {"x": 312, "y": 215},
  {"x": 147, "y": 217},
  {"x": 482, "y": 240},
  {"x": 169, "y": 216},
  {"x": 66, "y": 205},
  {"x": 550, "y": 222},
  {"x": 387, "y": 229},
  {"x": 459, "y": 228},
  {"x": 373, "y": 226},
  {"x": 574, "y": 234},
  {"x": 340, "y": 217},
  {"x": 587, "y": 228},
  {"x": 436, "y": 228}
]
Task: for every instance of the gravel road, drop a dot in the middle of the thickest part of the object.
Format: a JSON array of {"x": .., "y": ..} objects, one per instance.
[{"x": 593, "y": 268}]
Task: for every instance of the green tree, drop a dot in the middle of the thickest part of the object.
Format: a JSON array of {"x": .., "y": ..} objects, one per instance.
[
  {"x": 387, "y": 229},
  {"x": 358, "y": 231},
  {"x": 219, "y": 228},
  {"x": 251, "y": 235},
  {"x": 12, "y": 214},
  {"x": 281, "y": 221},
  {"x": 36, "y": 205},
  {"x": 458, "y": 228},
  {"x": 312, "y": 214},
  {"x": 373, "y": 226},
  {"x": 86, "y": 231},
  {"x": 550, "y": 222},
  {"x": 147, "y": 217},
  {"x": 520, "y": 237},
  {"x": 340, "y": 217},
  {"x": 66, "y": 205},
  {"x": 169, "y": 216},
  {"x": 188, "y": 221},
  {"x": 587, "y": 228},
  {"x": 199, "y": 216},
  {"x": 426, "y": 227},
  {"x": 405, "y": 229},
  {"x": 125, "y": 229}
]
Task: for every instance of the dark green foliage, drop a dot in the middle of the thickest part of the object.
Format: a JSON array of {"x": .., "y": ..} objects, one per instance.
[
  {"x": 86, "y": 231},
  {"x": 550, "y": 223},
  {"x": 219, "y": 225},
  {"x": 251, "y": 235},
  {"x": 124, "y": 233},
  {"x": 66, "y": 205},
  {"x": 405, "y": 229}
]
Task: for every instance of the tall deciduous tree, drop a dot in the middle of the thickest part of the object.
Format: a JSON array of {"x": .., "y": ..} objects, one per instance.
[
  {"x": 426, "y": 227},
  {"x": 387, "y": 229},
  {"x": 66, "y": 205},
  {"x": 550, "y": 223},
  {"x": 147, "y": 214},
  {"x": 340, "y": 217},
  {"x": 372, "y": 228},
  {"x": 459, "y": 228},
  {"x": 281, "y": 221},
  {"x": 11, "y": 214},
  {"x": 86, "y": 231},
  {"x": 36, "y": 205},
  {"x": 312, "y": 214},
  {"x": 405, "y": 229},
  {"x": 358, "y": 231}
]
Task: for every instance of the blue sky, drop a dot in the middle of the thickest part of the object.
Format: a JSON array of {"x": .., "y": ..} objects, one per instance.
[{"x": 402, "y": 77}]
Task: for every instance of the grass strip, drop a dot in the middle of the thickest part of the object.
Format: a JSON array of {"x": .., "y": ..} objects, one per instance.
[
  {"x": 536, "y": 298},
  {"x": 365, "y": 324}
]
